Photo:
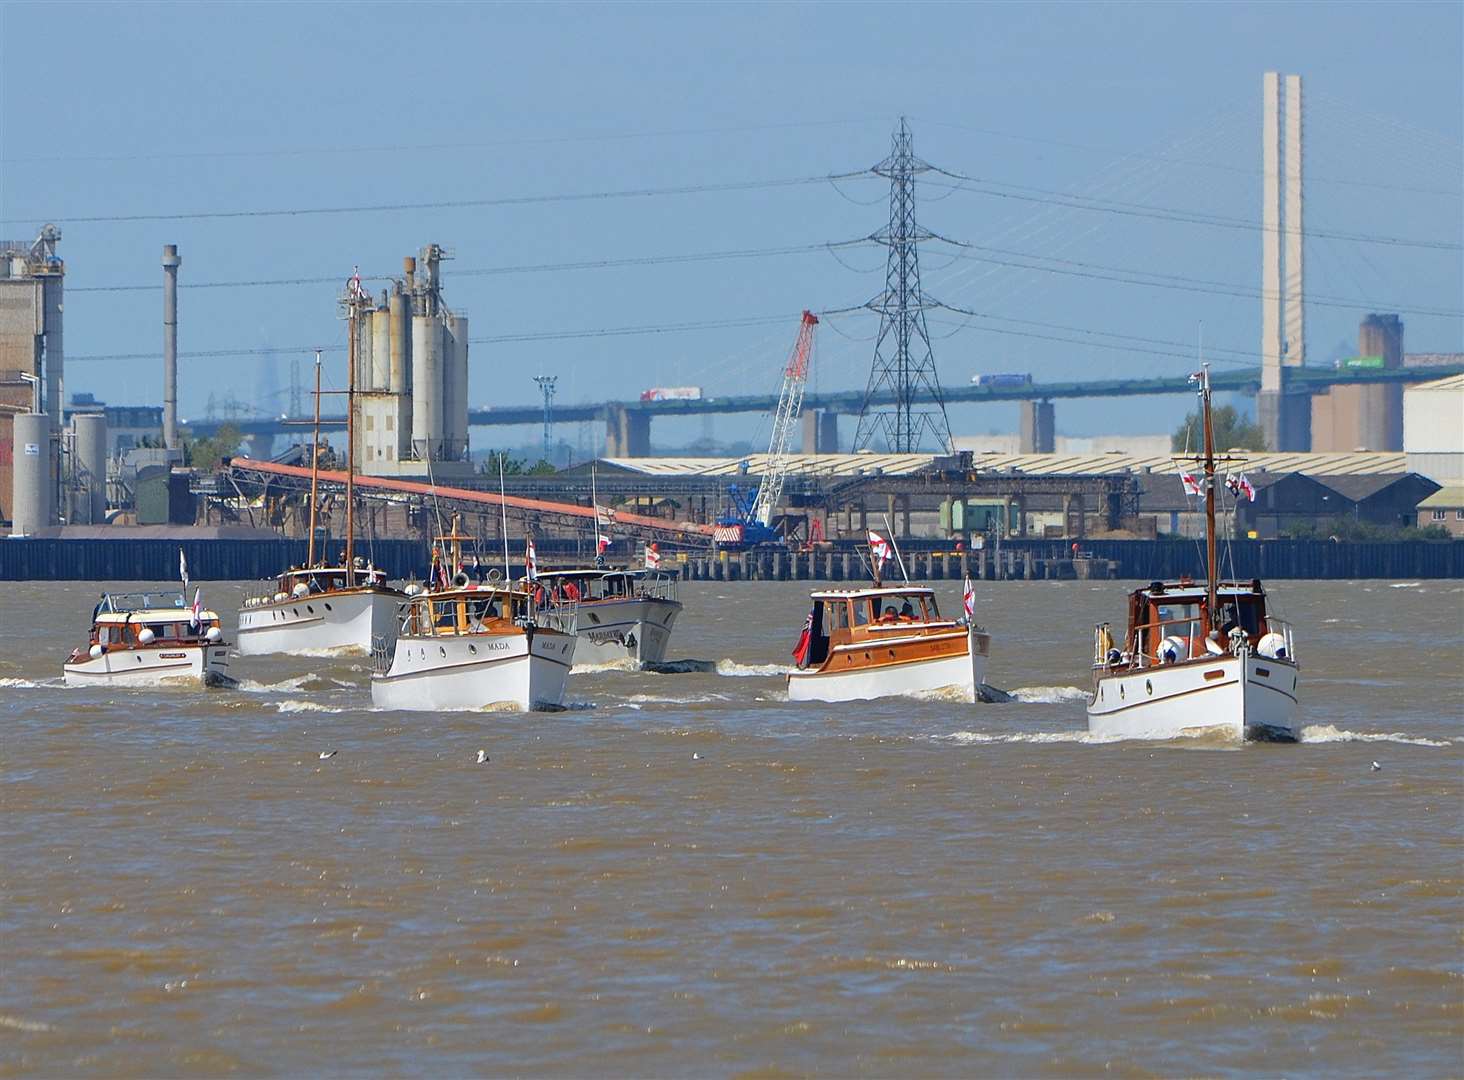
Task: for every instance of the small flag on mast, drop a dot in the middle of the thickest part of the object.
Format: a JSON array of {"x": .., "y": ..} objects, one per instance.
[
  {"x": 183, "y": 568},
  {"x": 879, "y": 548},
  {"x": 1191, "y": 485},
  {"x": 195, "y": 618},
  {"x": 968, "y": 598},
  {"x": 653, "y": 556},
  {"x": 603, "y": 543},
  {"x": 531, "y": 559}
]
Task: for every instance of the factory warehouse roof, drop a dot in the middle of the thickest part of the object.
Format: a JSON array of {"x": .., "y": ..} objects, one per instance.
[{"x": 1354, "y": 463}]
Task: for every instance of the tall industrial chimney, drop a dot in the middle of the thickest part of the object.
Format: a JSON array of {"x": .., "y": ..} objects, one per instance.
[{"x": 171, "y": 262}]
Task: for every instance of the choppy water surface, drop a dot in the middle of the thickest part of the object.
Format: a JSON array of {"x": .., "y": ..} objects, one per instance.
[{"x": 914, "y": 887}]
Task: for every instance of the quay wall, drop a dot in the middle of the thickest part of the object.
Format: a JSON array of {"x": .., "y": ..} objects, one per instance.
[
  {"x": 156, "y": 559},
  {"x": 1146, "y": 560}
]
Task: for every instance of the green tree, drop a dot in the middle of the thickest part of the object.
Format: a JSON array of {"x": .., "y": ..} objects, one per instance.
[
  {"x": 206, "y": 454},
  {"x": 1232, "y": 432}
]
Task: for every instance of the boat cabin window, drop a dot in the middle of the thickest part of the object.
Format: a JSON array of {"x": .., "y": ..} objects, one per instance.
[
  {"x": 1242, "y": 611},
  {"x": 838, "y": 615},
  {"x": 860, "y": 609},
  {"x": 104, "y": 635}
]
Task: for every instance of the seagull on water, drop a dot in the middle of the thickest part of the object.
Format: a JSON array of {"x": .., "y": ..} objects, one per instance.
[
  {"x": 482, "y": 757},
  {"x": 697, "y": 757},
  {"x": 327, "y": 754},
  {"x": 1376, "y": 767}
]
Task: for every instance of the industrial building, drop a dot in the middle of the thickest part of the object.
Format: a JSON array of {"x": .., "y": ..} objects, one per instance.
[
  {"x": 411, "y": 378},
  {"x": 1433, "y": 429},
  {"x": 32, "y": 363}
]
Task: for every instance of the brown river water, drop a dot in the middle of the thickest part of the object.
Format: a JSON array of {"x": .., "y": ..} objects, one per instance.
[{"x": 910, "y": 887}]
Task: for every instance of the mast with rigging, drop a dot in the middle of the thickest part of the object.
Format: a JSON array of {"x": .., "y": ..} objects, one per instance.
[{"x": 314, "y": 466}]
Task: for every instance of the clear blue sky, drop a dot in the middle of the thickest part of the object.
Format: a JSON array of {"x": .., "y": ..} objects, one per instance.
[{"x": 135, "y": 109}]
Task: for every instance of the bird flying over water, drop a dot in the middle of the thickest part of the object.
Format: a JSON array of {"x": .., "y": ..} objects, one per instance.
[{"x": 327, "y": 754}]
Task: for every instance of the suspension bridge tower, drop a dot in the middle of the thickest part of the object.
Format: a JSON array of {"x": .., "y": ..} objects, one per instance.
[{"x": 1284, "y": 413}]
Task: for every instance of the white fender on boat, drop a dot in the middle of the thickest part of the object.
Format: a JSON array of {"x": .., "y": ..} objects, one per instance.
[
  {"x": 96, "y": 652},
  {"x": 301, "y": 589},
  {"x": 1172, "y": 649},
  {"x": 280, "y": 596},
  {"x": 146, "y": 636},
  {"x": 213, "y": 634},
  {"x": 1272, "y": 646}
]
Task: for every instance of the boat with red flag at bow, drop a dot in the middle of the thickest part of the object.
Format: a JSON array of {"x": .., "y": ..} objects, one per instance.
[{"x": 883, "y": 641}]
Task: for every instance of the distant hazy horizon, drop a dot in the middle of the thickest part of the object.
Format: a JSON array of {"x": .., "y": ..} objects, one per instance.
[{"x": 145, "y": 110}]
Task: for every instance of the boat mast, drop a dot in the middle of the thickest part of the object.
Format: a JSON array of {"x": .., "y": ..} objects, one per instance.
[
  {"x": 353, "y": 312},
  {"x": 503, "y": 519},
  {"x": 315, "y": 465},
  {"x": 1211, "y": 563}
]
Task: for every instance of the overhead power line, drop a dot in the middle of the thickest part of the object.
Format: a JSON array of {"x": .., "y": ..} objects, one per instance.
[
  {"x": 981, "y": 186},
  {"x": 446, "y": 204},
  {"x": 1129, "y": 276},
  {"x": 530, "y": 268},
  {"x": 399, "y": 148},
  {"x": 1168, "y": 159}
]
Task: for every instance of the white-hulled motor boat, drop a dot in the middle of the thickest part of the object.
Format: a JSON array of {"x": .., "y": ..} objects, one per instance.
[
  {"x": 476, "y": 647},
  {"x": 1177, "y": 673},
  {"x": 1197, "y": 658},
  {"x": 623, "y": 614},
  {"x": 320, "y": 610},
  {"x": 879, "y": 642},
  {"x": 343, "y": 609},
  {"x": 148, "y": 639}
]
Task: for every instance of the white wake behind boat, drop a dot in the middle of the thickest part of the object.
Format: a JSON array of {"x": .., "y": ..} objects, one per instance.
[
  {"x": 150, "y": 640},
  {"x": 320, "y": 610},
  {"x": 879, "y": 642},
  {"x": 1197, "y": 658},
  {"x": 622, "y": 614},
  {"x": 476, "y": 647}
]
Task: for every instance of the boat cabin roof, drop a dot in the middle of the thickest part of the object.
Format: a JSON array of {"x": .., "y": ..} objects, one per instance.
[
  {"x": 331, "y": 571},
  {"x": 1191, "y": 592},
  {"x": 155, "y": 616},
  {"x": 861, "y": 594},
  {"x": 604, "y": 572},
  {"x": 161, "y": 602}
]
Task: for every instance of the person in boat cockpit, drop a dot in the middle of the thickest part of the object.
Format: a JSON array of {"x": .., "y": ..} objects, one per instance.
[{"x": 907, "y": 613}]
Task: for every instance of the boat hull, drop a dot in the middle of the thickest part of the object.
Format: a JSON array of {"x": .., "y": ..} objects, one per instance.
[
  {"x": 1233, "y": 697},
  {"x": 615, "y": 630},
  {"x": 963, "y": 671},
  {"x": 346, "y": 623},
  {"x": 476, "y": 671},
  {"x": 182, "y": 665}
]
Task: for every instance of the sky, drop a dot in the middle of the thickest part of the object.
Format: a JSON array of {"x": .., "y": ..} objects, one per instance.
[{"x": 157, "y": 111}]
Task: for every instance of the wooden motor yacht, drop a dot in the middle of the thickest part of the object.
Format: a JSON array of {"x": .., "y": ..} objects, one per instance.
[
  {"x": 476, "y": 646},
  {"x": 151, "y": 639},
  {"x": 1197, "y": 657},
  {"x": 623, "y": 614},
  {"x": 318, "y": 608},
  {"x": 860, "y": 644}
]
